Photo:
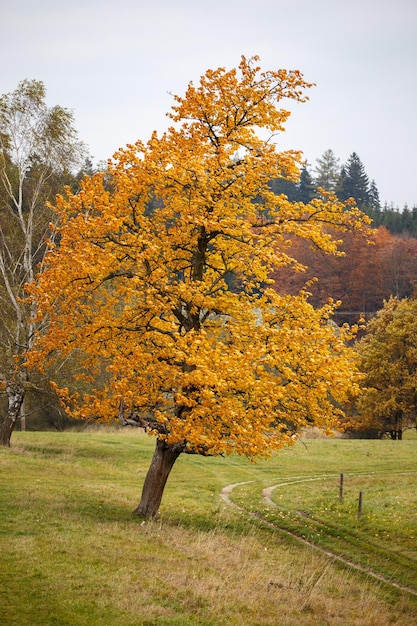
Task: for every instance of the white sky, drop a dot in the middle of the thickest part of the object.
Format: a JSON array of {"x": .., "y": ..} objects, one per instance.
[{"x": 115, "y": 63}]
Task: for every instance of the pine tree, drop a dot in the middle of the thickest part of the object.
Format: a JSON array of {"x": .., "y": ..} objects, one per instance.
[
  {"x": 354, "y": 182},
  {"x": 306, "y": 189},
  {"x": 327, "y": 171},
  {"x": 281, "y": 186},
  {"x": 374, "y": 204}
]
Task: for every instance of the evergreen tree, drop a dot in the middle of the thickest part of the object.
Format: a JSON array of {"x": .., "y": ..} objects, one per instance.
[
  {"x": 406, "y": 220},
  {"x": 327, "y": 171},
  {"x": 373, "y": 200},
  {"x": 354, "y": 182},
  {"x": 374, "y": 204},
  {"x": 413, "y": 232},
  {"x": 281, "y": 186},
  {"x": 306, "y": 189},
  {"x": 391, "y": 218}
]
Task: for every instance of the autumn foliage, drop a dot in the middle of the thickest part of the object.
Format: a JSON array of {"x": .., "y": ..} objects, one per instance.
[
  {"x": 370, "y": 271},
  {"x": 388, "y": 357},
  {"x": 160, "y": 283}
]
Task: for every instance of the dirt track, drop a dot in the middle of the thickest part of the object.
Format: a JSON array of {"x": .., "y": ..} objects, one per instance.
[{"x": 225, "y": 495}]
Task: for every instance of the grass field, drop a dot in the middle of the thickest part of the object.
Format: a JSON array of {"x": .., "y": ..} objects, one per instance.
[{"x": 72, "y": 553}]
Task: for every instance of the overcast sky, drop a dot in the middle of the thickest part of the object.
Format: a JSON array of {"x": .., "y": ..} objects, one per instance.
[{"x": 116, "y": 63}]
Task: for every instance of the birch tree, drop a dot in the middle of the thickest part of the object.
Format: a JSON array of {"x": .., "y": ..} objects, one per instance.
[{"x": 38, "y": 150}]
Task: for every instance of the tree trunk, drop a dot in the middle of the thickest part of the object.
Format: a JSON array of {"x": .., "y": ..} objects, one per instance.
[
  {"x": 162, "y": 463},
  {"x": 22, "y": 415},
  {"x": 15, "y": 396}
]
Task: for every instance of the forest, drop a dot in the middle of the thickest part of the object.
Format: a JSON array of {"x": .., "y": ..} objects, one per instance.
[
  {"x": 373, "y": 268},
  {"x": 349, "y": 180}
]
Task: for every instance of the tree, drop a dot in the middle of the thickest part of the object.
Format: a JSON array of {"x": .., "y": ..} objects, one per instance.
[
  {"x": 388, "y": 357},
  {"x": 373, "y": 199},
  {"x": 283, "y": 186},
  {"x": 327, "y": 171},
  {"x": 306, "y": 189},
  {"x": 398, "y": 261},
  {"x": 354, "y": 182},
  {"x": 301, "y": 190},
  {"x": 38, "y": 148},
  {"x": 161, "y": 278}
]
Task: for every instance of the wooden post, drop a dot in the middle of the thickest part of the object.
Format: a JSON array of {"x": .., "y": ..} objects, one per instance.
[
  {"x": 341, "y": 488},
  {"x": 360, "y": 504}
]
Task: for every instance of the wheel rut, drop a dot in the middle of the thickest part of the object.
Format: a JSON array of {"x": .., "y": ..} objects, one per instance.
[{"x": 226, "y": 496}]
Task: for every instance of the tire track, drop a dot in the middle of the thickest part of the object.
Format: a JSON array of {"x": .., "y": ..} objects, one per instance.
[{"x": 226, "y": 494}]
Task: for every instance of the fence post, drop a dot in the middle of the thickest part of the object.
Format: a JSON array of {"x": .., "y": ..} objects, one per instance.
[
  {"x": 360, "y": 504},
  {"x": 341, "y": 488}
]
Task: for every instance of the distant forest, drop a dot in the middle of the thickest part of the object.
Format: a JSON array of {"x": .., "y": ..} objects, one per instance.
[
  {"x": 368, "y": 273},
  {"x": 349, "y": 181}
]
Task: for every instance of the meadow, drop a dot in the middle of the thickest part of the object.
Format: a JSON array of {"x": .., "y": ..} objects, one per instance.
[{"x": 280, "y": 548}]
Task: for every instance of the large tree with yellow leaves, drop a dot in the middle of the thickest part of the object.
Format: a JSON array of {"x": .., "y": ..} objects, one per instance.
[{"x": 161, "y": 281}]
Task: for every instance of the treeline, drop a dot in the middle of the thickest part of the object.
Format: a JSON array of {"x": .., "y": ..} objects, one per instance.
[
  {"x": 349, "y": 180},
  {"x": 370, "y": 272}
]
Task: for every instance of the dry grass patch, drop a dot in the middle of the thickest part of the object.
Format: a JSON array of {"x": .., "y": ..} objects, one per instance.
[{"x": 251, "y": 578}]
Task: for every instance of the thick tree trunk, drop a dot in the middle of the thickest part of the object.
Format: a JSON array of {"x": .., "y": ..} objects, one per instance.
[
  {"x": 162, "y": 463},
  {"x": 15, "y": 396}
]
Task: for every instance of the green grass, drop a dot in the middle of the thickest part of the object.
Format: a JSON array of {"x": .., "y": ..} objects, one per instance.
[
  {"x": 383, "y": 539},
  {"x": 72, "y": 553}
]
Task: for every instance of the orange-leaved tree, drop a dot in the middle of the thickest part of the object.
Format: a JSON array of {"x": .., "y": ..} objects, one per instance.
[{"x": 161, "y": 280}]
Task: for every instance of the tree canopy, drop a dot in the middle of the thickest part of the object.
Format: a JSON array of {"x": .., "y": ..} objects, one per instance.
[
  {"x": 161, "y": 279},
  {"x": 388, "y": 357}
]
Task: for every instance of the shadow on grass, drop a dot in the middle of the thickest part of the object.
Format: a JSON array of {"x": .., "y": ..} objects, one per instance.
[{"x": 92, "y": 510}]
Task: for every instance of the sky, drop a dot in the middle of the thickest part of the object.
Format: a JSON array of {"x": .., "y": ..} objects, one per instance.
[{"x": 117, "y": 64}]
